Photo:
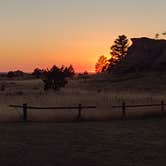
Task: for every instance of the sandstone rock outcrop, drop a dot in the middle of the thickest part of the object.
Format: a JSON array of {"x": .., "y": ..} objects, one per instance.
[{"x": 145, "y": 55}]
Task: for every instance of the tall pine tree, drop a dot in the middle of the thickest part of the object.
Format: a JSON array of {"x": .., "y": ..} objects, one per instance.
[{"x": 118, "y": 51}]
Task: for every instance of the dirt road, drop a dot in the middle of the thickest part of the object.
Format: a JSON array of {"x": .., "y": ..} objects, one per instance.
[{"x": 121, "y": 143}]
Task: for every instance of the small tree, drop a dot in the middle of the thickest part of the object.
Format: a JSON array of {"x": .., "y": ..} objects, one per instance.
[
  {"x": 16, "y": 73},
  {"x": 69, "y": 71},
  {"x": 54, "y": 78},
  {"x": 164, "y": 33},
  {"x": 37, "y": 72},
  {"x": 102, "y": 64},
  {"x": 157, "y": 35},
  {"x": 118, "y": 50},
  {"x": 10, "y": 74}
]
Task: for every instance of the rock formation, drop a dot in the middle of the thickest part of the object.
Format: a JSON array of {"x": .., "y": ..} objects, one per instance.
[{"x": 145, "y": 55}]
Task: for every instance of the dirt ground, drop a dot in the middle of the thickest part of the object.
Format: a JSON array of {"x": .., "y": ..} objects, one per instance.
[{"x": 113, "y": 143}]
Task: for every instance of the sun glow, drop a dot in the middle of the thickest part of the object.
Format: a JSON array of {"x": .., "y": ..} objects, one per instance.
[{"x": 60, "y": 32}]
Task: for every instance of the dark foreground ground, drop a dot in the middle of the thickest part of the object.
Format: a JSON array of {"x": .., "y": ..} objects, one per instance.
[{"x": 114, "y": 143}]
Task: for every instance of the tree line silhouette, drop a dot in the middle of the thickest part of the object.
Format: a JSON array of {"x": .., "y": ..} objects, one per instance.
[{"x": 53, "y": 78}]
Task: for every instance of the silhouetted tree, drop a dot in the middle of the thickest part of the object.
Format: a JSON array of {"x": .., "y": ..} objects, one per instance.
[
  {"x": 118, "y": 51},
  {"x": 68, "y": 71},
  {"x": 10, "y": 74},
  {"x": 157, "y": 35},
  {"x": 164, "y": 33},
  {"x": 102, "y": 64},
  {"x": 55, "y": 78},
  {"x": 85, "y": 76},
  {"x": 16, "y": 73},
  {"x": 85, "y": 73},
  {"x": 37, "y": 73}
]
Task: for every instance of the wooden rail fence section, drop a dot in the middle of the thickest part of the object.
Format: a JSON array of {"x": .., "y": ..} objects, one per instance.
[
  {"x": 80, "y": 107},
  {"x": 25, "y": 108},
  {"x": 124, "y": 107}
]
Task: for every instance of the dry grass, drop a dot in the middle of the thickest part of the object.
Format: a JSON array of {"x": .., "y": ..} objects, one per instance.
[{"x": 97, "y": 90}]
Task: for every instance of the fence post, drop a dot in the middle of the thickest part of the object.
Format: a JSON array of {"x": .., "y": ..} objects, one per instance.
[
  {"x": 123, "y": 110},
  {"x": 79, "y": 112},
  {"x": 24, "y": 112},
  {"x": 162, "y": 106}
]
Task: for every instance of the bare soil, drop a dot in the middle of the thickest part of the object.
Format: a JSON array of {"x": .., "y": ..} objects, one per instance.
[{"x": 121, "y": 143}]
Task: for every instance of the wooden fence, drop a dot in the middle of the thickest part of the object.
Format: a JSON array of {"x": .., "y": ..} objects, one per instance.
[
  {"x": 25, "y": 108},
  {"x": 80, "y": 107},
  {"x": 124, "y": 107}
]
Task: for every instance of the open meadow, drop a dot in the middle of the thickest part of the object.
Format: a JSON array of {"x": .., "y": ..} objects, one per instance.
[{"x": 100, "y": 91}]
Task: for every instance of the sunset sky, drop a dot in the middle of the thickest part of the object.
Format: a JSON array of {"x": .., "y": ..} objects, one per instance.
[{"x": 40, "y": 33}]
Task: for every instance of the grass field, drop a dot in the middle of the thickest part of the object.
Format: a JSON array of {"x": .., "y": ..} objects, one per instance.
[{"x": 100, "y": 91}]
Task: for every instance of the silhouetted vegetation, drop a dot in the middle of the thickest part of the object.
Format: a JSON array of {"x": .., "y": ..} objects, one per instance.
[
  {"x": 17, "y": 73},
  {"x": 84, "y": 76},
  {"x": 102, "y": 64},
  {"x": 37, "y": 73},
  {"x": 159, "y": 35},
  {"x": 164, "y": 33},
  {"x": 68, "y": 71},
  {"x": 144, "y": 55},
  {"x": 118, "y": 51},
  {"x": 56, "y": 77}
]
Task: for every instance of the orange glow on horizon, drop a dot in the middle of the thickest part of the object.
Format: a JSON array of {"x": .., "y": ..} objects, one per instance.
[
  {"x": 62, "y": 32},
  {"x": 82, "y": 55}
]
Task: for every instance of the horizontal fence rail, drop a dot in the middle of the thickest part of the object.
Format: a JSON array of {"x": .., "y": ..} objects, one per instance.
[
  {"x": 25, "y": 108},
  {"x": 52, "y": 108},
  {"x": 144, "y": 105},
  {"x": 124, "y": 106}
]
